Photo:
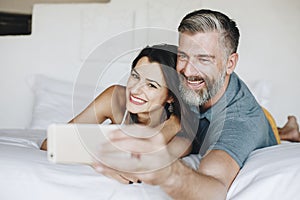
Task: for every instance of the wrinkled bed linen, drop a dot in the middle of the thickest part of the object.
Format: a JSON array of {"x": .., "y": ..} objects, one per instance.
[{"x": 25, "y": 173}]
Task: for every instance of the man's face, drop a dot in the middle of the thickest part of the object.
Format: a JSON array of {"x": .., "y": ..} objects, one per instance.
[{"x": 201, "y": 65}]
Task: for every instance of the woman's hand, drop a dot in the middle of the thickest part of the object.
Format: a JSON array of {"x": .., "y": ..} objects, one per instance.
[{"x": 114, "y": 174}]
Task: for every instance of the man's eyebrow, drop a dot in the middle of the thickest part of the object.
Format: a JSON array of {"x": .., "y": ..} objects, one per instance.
[
  {"x": 198, "y": 55},
  {"x": 205, "y": 56},
  {"x": 180, "y": 52}
]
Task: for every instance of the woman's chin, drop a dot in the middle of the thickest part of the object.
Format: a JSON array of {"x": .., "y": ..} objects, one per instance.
[{"x": 134, "y": 110}]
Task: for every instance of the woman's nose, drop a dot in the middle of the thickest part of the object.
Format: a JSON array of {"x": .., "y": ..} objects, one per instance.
[{"x": 138, "y": 87}]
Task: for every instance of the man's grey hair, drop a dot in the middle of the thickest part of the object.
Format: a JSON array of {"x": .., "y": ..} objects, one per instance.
[{"x": 212, "y": 21}]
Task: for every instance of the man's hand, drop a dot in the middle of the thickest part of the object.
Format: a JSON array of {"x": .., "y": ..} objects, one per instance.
[
  {"x": 137, "y": 149},
  {"x": 128, "y": 158}
]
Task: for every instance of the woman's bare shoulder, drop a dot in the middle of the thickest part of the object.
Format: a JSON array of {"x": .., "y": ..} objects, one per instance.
[
  {"x": 119, "y": 95},
  {"x": 116, "y": 94},
  {"x": 115, "y": 91}
]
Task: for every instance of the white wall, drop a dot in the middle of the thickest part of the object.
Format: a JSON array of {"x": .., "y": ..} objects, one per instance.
[{"x": 64, "y": 35}]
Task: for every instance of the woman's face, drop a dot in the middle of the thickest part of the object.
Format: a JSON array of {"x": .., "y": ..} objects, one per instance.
[{"x": 146, "y": 89}]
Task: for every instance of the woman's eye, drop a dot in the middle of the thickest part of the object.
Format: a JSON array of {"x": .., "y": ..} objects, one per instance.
[
  {"x": 135, "y": 76},
  {"x": 152, "y": 85}
]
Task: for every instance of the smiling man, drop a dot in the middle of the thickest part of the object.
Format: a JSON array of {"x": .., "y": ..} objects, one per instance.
[{"x": 231, "y": 122}]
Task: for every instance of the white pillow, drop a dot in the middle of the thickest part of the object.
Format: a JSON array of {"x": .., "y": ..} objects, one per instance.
[
  {"x": 261, "y": 89},
  {"x": 57, "y": 101},
  {"x": 269, "y": 173}
]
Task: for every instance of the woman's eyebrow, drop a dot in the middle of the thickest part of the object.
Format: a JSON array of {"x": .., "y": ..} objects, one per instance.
[
  {"x": 153, "y": 81},
  {"x": 150, "y": 80},
  {"x": 135, "y": 71}
]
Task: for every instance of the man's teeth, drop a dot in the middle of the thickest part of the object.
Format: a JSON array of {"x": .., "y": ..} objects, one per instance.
[
  {"x": 137, "y": 100},
  {"x": 195, "y": 81}
]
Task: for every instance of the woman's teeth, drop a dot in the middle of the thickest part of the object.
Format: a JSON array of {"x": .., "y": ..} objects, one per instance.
[{"x": 138, "y": 100}]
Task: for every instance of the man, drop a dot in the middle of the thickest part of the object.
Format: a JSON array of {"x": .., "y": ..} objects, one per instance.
[{"x": 231, "y": 122}]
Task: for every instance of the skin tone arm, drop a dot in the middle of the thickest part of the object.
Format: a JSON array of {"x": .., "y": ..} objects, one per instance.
[
  {"x": 216, "y": 172},
  {"x": 212, "y": 180},
  {"x": 104, "y": 110}
]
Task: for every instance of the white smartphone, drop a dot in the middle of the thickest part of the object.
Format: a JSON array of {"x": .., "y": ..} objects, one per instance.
[{"x": 76, "y": 143}]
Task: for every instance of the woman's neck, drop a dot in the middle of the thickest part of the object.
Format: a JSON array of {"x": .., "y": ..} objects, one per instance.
[{"x": 153, "y": 118}]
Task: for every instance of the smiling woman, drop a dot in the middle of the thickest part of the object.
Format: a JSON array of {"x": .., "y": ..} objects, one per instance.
[
  {"x": 150, "y": 97},
  {"x": 146, "y": 98},
  {"x": 147, "y": 93}
]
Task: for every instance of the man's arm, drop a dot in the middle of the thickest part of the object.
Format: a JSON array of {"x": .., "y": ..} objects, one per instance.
[
  {"x": 212, "y": 180},
  {"x": 215, "y": 174}
]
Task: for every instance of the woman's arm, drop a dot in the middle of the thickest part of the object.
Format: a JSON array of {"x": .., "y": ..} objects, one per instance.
[
  {"x": 184, "y": 146},
  {"x": 100, "y": 109},
  {"x": 171, "y": 127}
]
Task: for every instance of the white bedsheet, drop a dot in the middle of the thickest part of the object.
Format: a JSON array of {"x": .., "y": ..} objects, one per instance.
[{"x": 25, "y": 173}]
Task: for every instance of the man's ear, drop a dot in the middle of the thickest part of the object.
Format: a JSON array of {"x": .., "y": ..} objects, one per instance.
[{"x": 231, "y": 63}]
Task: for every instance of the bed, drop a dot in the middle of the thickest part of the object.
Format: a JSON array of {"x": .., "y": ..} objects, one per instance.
[
  {"x": 25, "y": 173},
  {"x": 269, "y": 173}
]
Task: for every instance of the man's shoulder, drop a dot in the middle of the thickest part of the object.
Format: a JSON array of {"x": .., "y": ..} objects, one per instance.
[{"x": 238, "y": 92}]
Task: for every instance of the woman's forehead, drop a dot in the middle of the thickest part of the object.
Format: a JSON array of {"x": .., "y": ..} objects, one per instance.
[{"x": 150, "y": 70}]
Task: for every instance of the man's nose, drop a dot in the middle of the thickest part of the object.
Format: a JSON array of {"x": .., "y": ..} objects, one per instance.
[{"x": 188, "y": 69}]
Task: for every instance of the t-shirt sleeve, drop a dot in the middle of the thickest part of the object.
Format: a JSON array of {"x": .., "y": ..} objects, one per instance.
[{"x": 239, "y": 137}]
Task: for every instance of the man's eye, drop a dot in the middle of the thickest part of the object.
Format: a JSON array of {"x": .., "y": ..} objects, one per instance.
[
  {"x": 182, "y": 57},
  {"x": 204, "y": 61}
]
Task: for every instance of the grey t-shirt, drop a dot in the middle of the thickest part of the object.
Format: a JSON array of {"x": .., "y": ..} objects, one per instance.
[{"x": 235, "y": 124}]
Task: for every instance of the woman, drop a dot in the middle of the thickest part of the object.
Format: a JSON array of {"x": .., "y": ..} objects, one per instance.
[{"x": 150, "y": 97}]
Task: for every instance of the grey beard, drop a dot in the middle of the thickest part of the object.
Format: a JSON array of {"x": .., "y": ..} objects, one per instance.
[{"x": 201, "y": 97}]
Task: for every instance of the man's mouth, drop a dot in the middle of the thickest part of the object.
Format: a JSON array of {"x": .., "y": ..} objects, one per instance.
[
  {"x": 195, "y": 82},
  {"x": 136, "y": 100}
]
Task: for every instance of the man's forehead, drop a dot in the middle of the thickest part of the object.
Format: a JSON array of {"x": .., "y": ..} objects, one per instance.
[{"x": 198, "y": 43}]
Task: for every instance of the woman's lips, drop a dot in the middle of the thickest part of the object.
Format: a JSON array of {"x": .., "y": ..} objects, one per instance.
[{"x": 136, "y": 100}]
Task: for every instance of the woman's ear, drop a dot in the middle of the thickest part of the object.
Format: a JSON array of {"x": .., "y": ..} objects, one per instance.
[
  {"x": 231, "y": 63},
  {"x": 170, "y": 100}
]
